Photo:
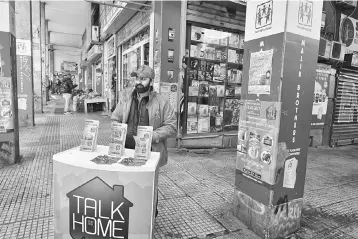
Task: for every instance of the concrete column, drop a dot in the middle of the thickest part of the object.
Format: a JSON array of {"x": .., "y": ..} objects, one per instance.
[
  {"x": 51, "y": 63},
  {"x": 280, "y": 61},
  {"x": 47, "y": 59},
  {"x": 43, "y": 53},
  {"x": 9, "y": 124},
  {"x": 36, "y": 54},
  {"x": 24, "y": 63},
  {"x": 165, "y": 39}
]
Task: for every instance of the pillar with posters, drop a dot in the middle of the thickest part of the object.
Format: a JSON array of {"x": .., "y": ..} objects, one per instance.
[
  {"x": 25, "y": 87},
  {"x": 9, "y": 126},
  {"x": 281, "y": 51}
]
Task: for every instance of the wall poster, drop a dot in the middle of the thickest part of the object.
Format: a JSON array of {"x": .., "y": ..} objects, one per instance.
[
  {"x": 170, "y": 92},
  {"x": 257, "y": 139},
  {"x": 260, "y": 72},
  {"x": 6, "y": 105},
  {"x": 320, "y": 97},
  {"x": 69, "y": 67}
]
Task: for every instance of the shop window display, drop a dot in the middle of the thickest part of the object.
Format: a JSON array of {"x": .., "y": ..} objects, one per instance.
[
  {"x": 136, "y": 53},
  {"x": 213, "y": 80}
]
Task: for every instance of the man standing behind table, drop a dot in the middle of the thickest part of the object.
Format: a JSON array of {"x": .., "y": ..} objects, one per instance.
[{"x": 141, "y": 106}]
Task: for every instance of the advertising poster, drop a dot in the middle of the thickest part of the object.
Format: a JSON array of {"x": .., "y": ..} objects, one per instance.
[
  {"x": 257, "y": 140},
  {"x": 69, "y": 67},
  {"x": 6, "y": 105},
  {"x": 170, "y": 92},
  {"x": 320, "y": 97},
  {"x": 260, "y": 72},
  {"x": 24, "y": 76}
]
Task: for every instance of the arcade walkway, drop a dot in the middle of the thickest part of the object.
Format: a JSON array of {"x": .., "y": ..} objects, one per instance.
[{"x": 196, "y": 188}]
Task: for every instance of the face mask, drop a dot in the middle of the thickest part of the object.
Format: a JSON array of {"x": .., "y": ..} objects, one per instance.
[{"x": 141, "y": 88}]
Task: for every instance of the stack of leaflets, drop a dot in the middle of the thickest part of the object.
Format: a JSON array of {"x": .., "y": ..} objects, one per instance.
[
  {"x": 143, "y": 144},
  {"x": 118, "y": 139},
  {"x": 89, "y": 137}
]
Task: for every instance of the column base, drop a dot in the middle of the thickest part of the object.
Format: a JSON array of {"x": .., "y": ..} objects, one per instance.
[{"x": 268, "y": 222}]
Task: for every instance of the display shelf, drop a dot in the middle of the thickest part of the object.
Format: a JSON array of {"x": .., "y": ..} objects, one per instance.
[
  {"x": 206, "y": 59},
  {"x": 210, "y": 44},
  {"x": 226, "y": 110},
  {"x": 241, "y": 50}
]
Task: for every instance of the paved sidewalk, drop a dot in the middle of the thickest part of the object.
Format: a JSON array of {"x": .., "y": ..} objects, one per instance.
[{"x": 196, "y": 189}]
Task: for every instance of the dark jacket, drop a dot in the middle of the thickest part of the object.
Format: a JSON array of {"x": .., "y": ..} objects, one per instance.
[
  {"x": 161, "y": 117},
  {"x": 69, "y": 87}
]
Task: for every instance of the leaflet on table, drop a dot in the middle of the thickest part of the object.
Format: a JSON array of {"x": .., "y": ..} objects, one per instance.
[
  {"x": 89, "y": 137},
  {"x": 258, "y": 139},
  {"x": 118, "y": 139},
  {"x": 143, "y": 144}
]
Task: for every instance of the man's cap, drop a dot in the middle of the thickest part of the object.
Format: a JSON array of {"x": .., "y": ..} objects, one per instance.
[{"x": 143, "y": 71}]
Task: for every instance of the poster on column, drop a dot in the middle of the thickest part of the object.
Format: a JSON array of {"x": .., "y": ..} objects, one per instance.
[
  {"x": 257, "y": 140},
  {"x": 320, "y": 96},
  {"x": 24, "y": 76},
  {"x": 260, "y": 72},
  {"x": 170, "y": 92},
  {"x": 6, "y": 105}
]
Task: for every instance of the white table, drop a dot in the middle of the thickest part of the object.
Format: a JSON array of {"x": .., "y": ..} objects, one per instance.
[
  {"x": 103, "y": 199},
  {"x": 95, "y": 100}
]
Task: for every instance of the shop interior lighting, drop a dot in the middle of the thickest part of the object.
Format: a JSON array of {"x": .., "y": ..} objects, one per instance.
[{"x": 114, "y": 5}]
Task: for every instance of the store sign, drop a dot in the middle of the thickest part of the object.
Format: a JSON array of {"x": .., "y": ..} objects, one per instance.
[
  {"x": 320, "y": 97},
  {"x": 97, "y": 211},
  {"x": 349, "y": 32},
  {"x": 306, "y": 18},
  {"x": 268, "y": 21},
  {"x": 269, "y": 15}
]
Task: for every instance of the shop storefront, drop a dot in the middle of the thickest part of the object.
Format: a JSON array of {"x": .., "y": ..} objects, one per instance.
[
  {"x": 97, "y": 76},
  {"x": 94, "y": 71},
  {"x": 109, "y": 69},
  {"x": 212, "y": 83},
  {"x": 132, "y": 48}
]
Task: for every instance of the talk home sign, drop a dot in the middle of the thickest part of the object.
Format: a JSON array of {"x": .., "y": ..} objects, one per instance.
[{"x": 98, "y": 211}]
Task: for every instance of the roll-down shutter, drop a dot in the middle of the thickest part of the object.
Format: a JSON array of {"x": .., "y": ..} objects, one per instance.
[{"x": 345, "y": 118}]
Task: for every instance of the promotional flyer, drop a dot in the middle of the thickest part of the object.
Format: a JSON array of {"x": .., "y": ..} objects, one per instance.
[
  {"x": 24, "y": 86},
  {"x": 320, "y": 97},
  {"x": 260, "y": 72},
  {"x": 89, "y": 136},
  {"x": 257, "y": 140}
]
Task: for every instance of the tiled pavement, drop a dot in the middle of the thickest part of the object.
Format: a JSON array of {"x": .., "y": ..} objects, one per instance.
[{"x": 195, "y": 190}]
